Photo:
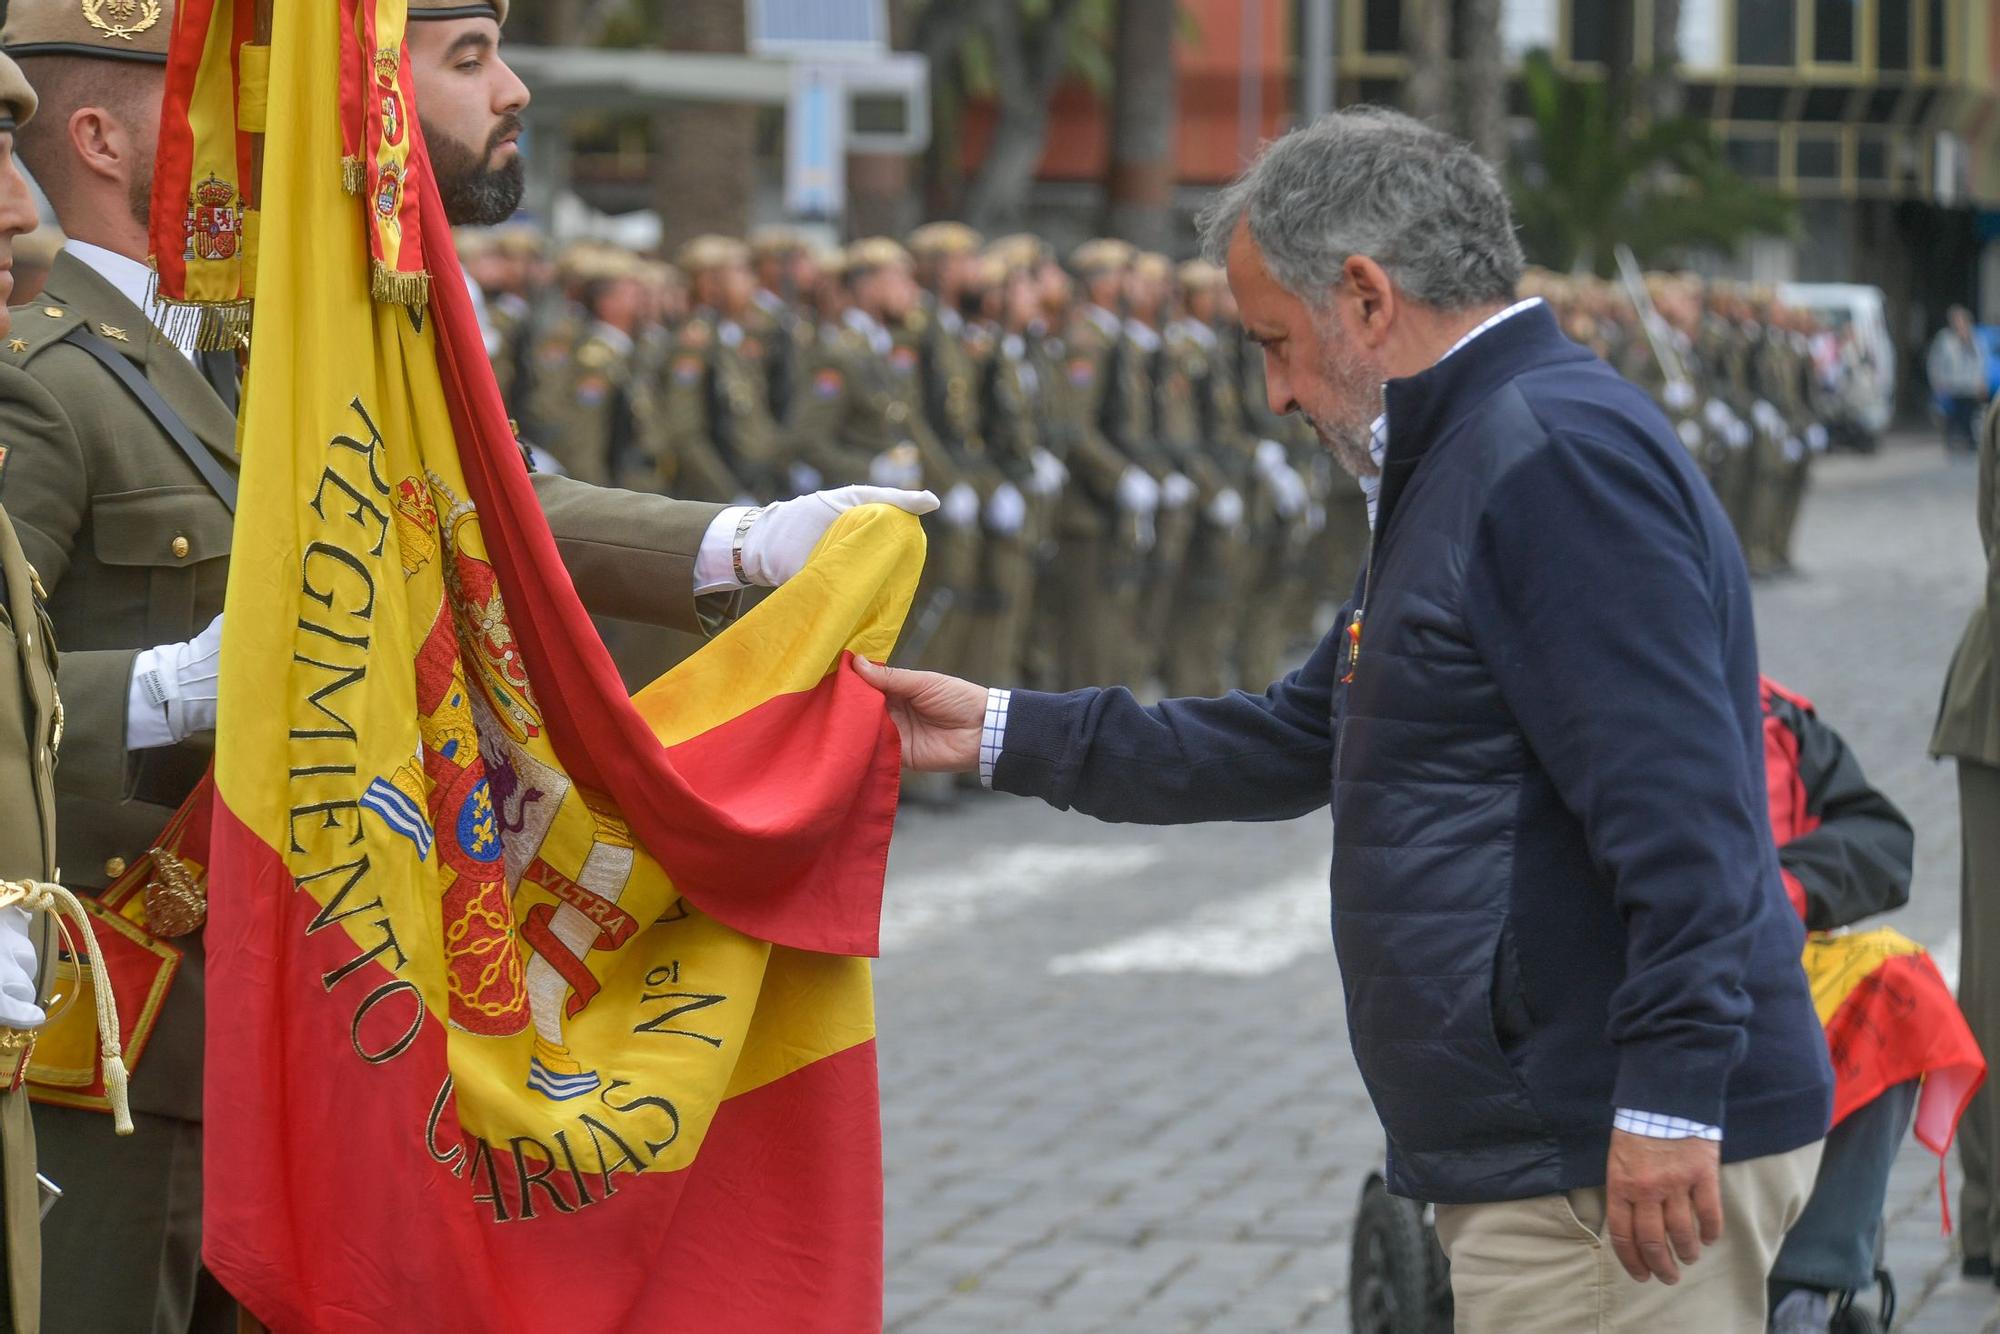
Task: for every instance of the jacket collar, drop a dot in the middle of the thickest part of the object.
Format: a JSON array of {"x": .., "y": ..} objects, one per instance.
[{"x": 1425, "y": 407}]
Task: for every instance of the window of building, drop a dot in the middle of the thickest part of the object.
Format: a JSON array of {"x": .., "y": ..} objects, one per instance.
[
  {"x": 1529, "y": 25},
  {"x": 1934, "y": 39},
  {"x": 1766, "y": 32},
  {"x": 1871, "y": 160},
  {"x": 1755, "y": 101},
  {"x": 1881, "y": 108},
  {"x": 1380, "y": 92},
  {"x": 1699, "y": 101},
  {"x": 1824, "y": 104},
  {"x": 1752, "y": 155},
  {"x": 1892, "y": 35},
  {"x": 1833, "y": 31},
  {"x": 1589, "y": 31},
  {"x": 1818, "y": 158},
  {"x": 1382, "y": 28}
]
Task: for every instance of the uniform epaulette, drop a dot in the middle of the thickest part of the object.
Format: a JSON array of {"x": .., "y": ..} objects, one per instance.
[
  {"x": 43, "y": 324},
  {"x": 594, "y": 355}
]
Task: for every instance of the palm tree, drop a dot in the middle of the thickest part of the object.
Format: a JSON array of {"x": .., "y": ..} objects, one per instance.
[{"x": 1593, "y": 182}]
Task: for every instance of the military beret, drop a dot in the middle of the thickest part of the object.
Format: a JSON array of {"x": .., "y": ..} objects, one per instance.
[
  {"x": 936, "y": 240},
  {"x": 712, "y": 252},
  {"x": 776, "y": 239},
  {"x": 877, "y": 252},
  {"x": 1103, "y": 255},
  {"x": 1198, "y": 275},
  {"x": 459, "y": 9},
  {"x": 1157, "y": 267},
  {"x": 1021, "y": 250},
  {"x": 830, "y": 260},
  {"x": 107, "y": 29},
  {"x": 17, "y": 99},
  {"x": 517, "y": 240}
]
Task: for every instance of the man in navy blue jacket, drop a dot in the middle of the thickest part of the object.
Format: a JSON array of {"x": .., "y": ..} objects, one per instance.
[{"x": 1571, "y": 970}]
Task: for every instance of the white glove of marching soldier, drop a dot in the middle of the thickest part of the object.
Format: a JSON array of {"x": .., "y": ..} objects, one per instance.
[
  {"x": 1177, "y": 491},
  {"x": 900, "y": 467},
  {"x": 173, "y": 691},
  {"x": 1006, "y": 510},
  {"x": 961, "y": 506},
  {"x": 1050, "y": 474},
  {"x": 17, "y": 971},
  {"x": 1226, "y": 510},
  {"x": 1138, "y": 493}
]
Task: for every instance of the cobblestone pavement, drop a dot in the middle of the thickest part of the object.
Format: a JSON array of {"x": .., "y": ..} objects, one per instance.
[{"x": 1116, "y": 1087}]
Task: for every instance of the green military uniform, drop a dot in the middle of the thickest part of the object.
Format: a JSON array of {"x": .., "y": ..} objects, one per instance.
[
  {"x": 1200, "y": 625},
  {"x": 596, "y": 412},
  {"x": 1778, "y": 380},
  {"x": 1280, "y": 534},
  {"x": 1101, "y": 566},
  {"x": 1729, "y": 350},
  {"x": 1011, "y": 393},
  {"x": 718, "y": 438},
  {"x": 952, "y": 357},
  {"x": 30, "y": 731},
  {"x": 133, "y": 545},
  {"x": 1968, "y": 730}
]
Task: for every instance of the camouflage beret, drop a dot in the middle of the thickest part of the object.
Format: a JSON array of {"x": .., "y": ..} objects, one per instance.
[
  {"x": 777, "y": 239},
  {"x": 17, "y": 99},
  {"x": 1102, "y": 256},
  {"x": 517, "y": 240},
  {"x": 105, "y": 29},
  {"x": 459, "y": 9},
  {"x": 877, "y": 252},
  {"x": 1198, "y": 275},
  {"x": 712, "y": 252},
  {"x": 935, "y": 240},
  {"x": 1153, "y": 266},
  {"x": 1020, "y": 250}
]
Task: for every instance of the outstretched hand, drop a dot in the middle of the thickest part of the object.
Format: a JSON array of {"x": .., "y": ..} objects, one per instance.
[{"x": 939, "y": 716}]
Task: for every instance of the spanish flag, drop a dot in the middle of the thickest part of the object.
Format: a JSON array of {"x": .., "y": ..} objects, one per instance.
[{"x": 531, "y": 1006}]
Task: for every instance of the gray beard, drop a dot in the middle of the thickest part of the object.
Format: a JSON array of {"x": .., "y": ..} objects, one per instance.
[{"x": 1350, "y": 446}]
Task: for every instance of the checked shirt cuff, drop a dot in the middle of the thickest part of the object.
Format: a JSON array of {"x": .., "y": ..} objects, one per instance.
[
  {"x": 993, "y": 734},
  {"x": 1654, "y": 1126}
]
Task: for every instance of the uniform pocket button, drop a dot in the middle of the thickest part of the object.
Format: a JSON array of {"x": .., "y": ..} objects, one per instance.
[
  {"x": 114, "y": 867},
  {"x": 179, "y": 546}
]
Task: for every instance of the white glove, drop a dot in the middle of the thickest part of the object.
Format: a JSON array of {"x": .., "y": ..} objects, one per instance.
[
  {"x": 1795, "y": 449},
  {"x": 805, "y": 478},
  {"x": 1289, "y": 491},
  {"x": 961, "y": 506},
  {"x": 1767, "y": 418},
  {"x": 1006, "y": 510},
  {"x": 1138, "y": 493},
  {"x": 1177, "y": 491},
  {"x": 781, "y": 537},
  {"x": 1739, "y": 436},
  {"x": 1271, "y": 456},
  {"x": 173, "y": 691},
  {"x": 1690, "y": 433},
  {"x": 1315, "y": 518},
  {"x": 1050, "y": 474},
  {"x": 17, "y": 971},
  {"x": 899, "y": 469},
  {"x": 1816, "y": 438},
  {"x": 1226, "y": 510},
  {"x": 1678, "y": 395},
  {"x": 1718, "y": 416}
]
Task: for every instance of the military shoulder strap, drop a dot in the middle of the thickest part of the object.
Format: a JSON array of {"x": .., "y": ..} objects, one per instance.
[{"x": 161, "y": 411}]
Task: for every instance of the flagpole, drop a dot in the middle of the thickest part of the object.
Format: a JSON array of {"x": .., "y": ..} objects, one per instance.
[{"x": 247, "y": 1323}]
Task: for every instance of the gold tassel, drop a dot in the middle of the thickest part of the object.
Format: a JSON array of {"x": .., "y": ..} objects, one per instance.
[
  {"x": 225, "y": 327},
  {"x": 354, "y": 175},
  {"x": 394, "y": 288}
]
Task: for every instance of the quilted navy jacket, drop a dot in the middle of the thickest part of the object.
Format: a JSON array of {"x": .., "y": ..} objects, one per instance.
[{"x": 1555, "y": 892}]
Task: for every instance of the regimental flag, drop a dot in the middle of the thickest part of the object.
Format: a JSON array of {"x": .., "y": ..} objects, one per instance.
[{"x": 530, "y": 1006}]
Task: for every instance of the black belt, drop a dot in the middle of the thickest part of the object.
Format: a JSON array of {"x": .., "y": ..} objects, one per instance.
[{"x": 218, "y": 478}]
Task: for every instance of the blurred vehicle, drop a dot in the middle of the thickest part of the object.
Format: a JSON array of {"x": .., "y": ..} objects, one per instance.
[{"x": 1857, "y": 313}]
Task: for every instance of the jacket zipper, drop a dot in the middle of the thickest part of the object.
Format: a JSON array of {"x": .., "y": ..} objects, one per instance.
[{"x": 1354, "y": 628}]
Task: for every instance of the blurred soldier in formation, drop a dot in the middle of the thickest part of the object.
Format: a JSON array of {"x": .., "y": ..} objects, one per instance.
[
  {"x": 594, "y": 412},
  {"x": 721, "y": 438}
]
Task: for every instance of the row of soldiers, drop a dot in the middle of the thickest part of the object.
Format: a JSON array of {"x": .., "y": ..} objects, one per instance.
[
  {"x": 1748, "y": 382},
  {"x": 1119, "y": 503}
]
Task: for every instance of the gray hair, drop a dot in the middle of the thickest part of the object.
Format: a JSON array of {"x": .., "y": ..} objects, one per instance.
[{"x": 1370, "y": 181}]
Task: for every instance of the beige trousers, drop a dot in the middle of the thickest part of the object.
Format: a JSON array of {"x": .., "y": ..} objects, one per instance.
[{"x": 1545, "y": 1265}]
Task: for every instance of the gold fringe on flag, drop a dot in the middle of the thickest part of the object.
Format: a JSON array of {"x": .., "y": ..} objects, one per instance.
[
  {"x": 354, "y": 175},
  {"x": 396, "y": 288}
]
